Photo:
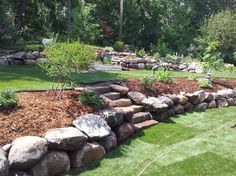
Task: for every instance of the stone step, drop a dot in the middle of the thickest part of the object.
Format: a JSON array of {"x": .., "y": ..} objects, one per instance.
[
  {"x": 112, "y": 95},
  {"x": 129, "y": 111},
  {"x": 121, "y": 89},
  {"x": 145, "y": 124},
  {"x": 141, "y": 117},
  {"x": 123, "y": 102},
  {"x": 100, "y": 89}
]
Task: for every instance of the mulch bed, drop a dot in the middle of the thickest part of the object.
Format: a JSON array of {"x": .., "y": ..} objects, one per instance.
[
  {"x": 179, "y": 85},
  {"x": 39, "y": 111}
]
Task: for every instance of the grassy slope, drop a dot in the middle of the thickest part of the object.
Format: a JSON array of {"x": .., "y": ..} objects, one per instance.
[
  {"x": 200, "y": 151},
  {"x": 28, "y": 77}
]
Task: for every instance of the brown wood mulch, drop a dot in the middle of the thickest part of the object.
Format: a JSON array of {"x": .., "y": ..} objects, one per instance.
[{"x": 39, "y": 111}]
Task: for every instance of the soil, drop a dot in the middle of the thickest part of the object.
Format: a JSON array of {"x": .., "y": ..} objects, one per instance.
[
  {"x": 39, "y": 111},
  {"x": 179, "y": 85}
]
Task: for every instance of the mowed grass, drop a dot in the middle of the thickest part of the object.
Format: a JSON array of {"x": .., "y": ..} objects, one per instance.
[
  {"x": 21, "y": 77},
  {"x": 196, "y": 144}
]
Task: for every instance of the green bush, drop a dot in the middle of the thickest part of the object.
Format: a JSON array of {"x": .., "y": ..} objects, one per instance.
[
  {"x": 8, "y": 99},
  {"x": 157, "y": 56},
  {"x": 170, "y": 58},
  {"x": 204, "y": 83},
  {"x": 141, "y": 53},
  {"x": 92, "y": 98},
  {"x": 119, "y": 46},
  {"x": 147, "y": 82},
  {"x": 164, "y": 76}
]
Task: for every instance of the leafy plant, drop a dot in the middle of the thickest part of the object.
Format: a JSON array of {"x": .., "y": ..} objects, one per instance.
[
  {"x": 64, "y": 58},
  {"x": 92, "y": 98},
  {"x": 164, "y": 76},
  {"x": 204, "y": 83},
  {"x": 148, "y": 82},
  {"x": 192, "y": 77},
  {"x": 170, "y": 58},
  {"x": 141, "y": 53},
  {"x": 119, "y": 46},
  {"x": 157, "y": 56},
  {"x": 230, "y": 67},
  {"x": 8, "y": 99}
]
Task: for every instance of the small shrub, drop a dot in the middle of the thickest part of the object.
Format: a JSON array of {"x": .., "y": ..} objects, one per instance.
[
  {"x": 192, "y": 77},
  {"x": 8, "y": 99},
  {"x": 157, "y": 56},
  {"x": 164, "y": 76},
  {"x": 141, "y": 53},
  {"x": 92, "y": 98},
  {"x": 230, "y": 67},
  {"x": 204, "y": 83},
  {"x": 170, "y": 58},
  {"x": 147, "y": 81},
  {"x": 119, "y": 46}
]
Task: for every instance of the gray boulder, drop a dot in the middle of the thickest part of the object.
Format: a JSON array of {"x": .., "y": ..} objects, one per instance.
[
  {"x": 179, "y": 109},
  {"x": 19, "y": 55},
  {"x": 137, "y": 97},
  {"x": 41, "y": 60},
  {"x": 26, "y": 152},
  {"x": 174, "y": 98},
  {"x": 121, "y": 89},
  {"x": 6, "y": 148},
  {"x": 109, "y": 142},
  {"x": 222, "y": 102},
  {"x": 90, "y": 153},
  {"x": 65, "y": 139},
  {"x": 36, "y": 54},
  {"x": 29, "y": 55},
  {"x": 124, "y": 132},
  {"x": 230, "y": 101},
  {"x": 182, "y": 99},
  {"x": 212, "y": 104},
  {"x": 196, "y": 97},
  {"x": 4, "y": 165},
  {"x": 55, "y": 163},
  {"x": 153, "y": 104},
  {"x": 227, "y": 93},
  {"x": 188, "y": 107},
  {"x": 165, "y": 100},
  {"x": 113, "y": 117},
  {"x": 29, "y": 62},
  {"x": 94, "y": 126},
  {"x": 201, "y": 107},
  {"x": 209, "y": 97},
  {"x": 3, "y": 62}
]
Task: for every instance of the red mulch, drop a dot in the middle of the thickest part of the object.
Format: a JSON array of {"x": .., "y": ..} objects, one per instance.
[
  {"x": 180, "y": 85},
  {"x": 38, "y": 112}
]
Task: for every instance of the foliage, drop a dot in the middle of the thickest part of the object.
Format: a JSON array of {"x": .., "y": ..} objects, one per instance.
[
  {"x": 92, "y": 98},
  {"x": 119, "y": 46},
  {"x": 230, "y": 67},
  {"x": 212, "y": 58},
  {"x": 192, "y": 77},
  {"x": 164, "y": 76},
  {"x": 157, "y": 56},
  {"x": 221, "y": 27},
  {"x": 170, "y": 58},
  {"x": 8, "y": 99},
  {"x": 141, "y": 53},
  {"x": 64, "y": 58},
  {"x": 204, "y": 83},
  {"x": 147, "y": 82}
]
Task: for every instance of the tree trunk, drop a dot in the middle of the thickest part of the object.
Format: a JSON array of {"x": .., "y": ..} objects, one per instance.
[
  {"x": 121, "y": 19},
  {"x": 19, "y": 12},
  {"x": 69, "y": 9}
]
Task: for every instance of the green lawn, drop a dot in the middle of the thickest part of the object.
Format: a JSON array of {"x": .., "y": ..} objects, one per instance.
[
  {"x": 29, "y": 77},
  {"x": 194, "y": 144}
]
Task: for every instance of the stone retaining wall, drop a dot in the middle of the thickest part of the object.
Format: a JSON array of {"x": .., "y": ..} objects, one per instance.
[{"x": 92, "y": 136}]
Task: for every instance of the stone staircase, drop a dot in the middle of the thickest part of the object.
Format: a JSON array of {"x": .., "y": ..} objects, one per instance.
[{"x": 116, "y": 97}]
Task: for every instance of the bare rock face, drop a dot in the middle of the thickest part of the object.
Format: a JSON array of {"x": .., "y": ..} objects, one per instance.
[
  {"x": 113, "y": 117},
  {"x": 136, "y": 97},
  {"x": 65, "y": 139},
  {"x": 109, "y": 142},
  {"x": 90, "y": 153},
  {"x": 53, "y": 164},
  {"x": 94, "y": 126},
  {"x": 26, "y": 152},
  {"x": 4, "y": 166},
  {"x": 124, "y": 132}
]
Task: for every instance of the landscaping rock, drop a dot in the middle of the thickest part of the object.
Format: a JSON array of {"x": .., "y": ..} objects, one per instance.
[
  {"x": 113, "y": 117},
  {"x": 209, "y": 97},
  {"x": 90, "y": 153},
  {"x": 234, "y": 101},
  {"x": 124, "y": 132},
  {"x": 212, "y": 104},
  {"x": 112, "y": 95},
  {"x": 196, "y": 97},
  {"x": 174, "y": 98},
  {"x": 201, "y": 107},
  {"x": 120, "y": 102},
  {"x": 165, "y": 100},
  {"x": 227, "y": 93},
  {"x": 137, "y": 97},
  {"x": 182, "y": 99},
  {"x": 26, "y": 152},
  {"x": 29, "y": 56},
  {"x": 4, "y": 165},
  {"x": 140, "y": 117},
  {"x": 3, "y": 62},
  {"x": 121, "y": 89},
  {"x": 19, "y": 55},
  {"x": 6, "y": 148},
  {"x": 129, "y": 111},
  {"x": 153, "y": 104},
  {"x": 17, "y": 62},
  {"x": 18, "y": 173},
  {"x": 109, "y": 142},
  {"x": 55, "y": 163},
  {"x": 179, "y": 109},
  {"x": 29, "y": 62},
  {"x": 41, "y": 60},
  {"x": 188, "y": 107},
  {"x": 216, "y": 96},
  {"x": 182, "y": 66},
  {"x": 171, "y": 112},
  {"x": 230, "y": 101},
  {"x": 141, "y": 66},
  {"x": 36, "y": 54},
  {"x": 145, "y": 124},
  {"x": 65, "y": 139},
  {"x": 222, "y": 102},
  {"x": 94, "y": 126}
]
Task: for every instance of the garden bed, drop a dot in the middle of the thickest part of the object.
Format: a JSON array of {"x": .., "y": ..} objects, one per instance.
[
  {"x": 179, "y": 85},
  {"x": 38, "y": 112}
]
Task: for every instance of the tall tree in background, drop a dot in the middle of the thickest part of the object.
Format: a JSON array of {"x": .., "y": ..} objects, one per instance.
[{"x": 121, "y": 20}]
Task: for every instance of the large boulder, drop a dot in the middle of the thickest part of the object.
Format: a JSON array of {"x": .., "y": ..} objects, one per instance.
[
  {"x": 19, "y": 55},
  {"x": 90, "y": 153},
  {"x": 222, "y": 102},
  {"x": 196, "y": 97},
  {"x": 124, "y": 132},
  {"x": 179, "y": 109},
  {"x": 182, "y": 99},
  {"x": 121, "y": 89},
  {"x": 29, "y": 62},
  {"x": 3, "y": 62},
  {"x": 41, "y": 60},
  {"x": 55, "y": 163},
  {"x": 201, "y": 107},
  {"x": 94, "y": 126},
  {"x": 212, "y": 104},
  {"x": 188, "y": 107},
  {"x": 65, "y": 139},
  {"x": 227, "y": 93},
  {"x": 109, "y": 142},
  {"x": 113, "y": 117},
  {"x": 29, "y": 55},
  {"x": 153, "y": 104},
  {"x": 137, "y": 97},
  {"x": 26, "y": 152},
  {"x": 165, "y": 100},
  {"x": 209, "y": 97},
  {"x": 4, "y": 165},
  {"x": 230, "y": 101},
  {"x": 174, "y": 98}
]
